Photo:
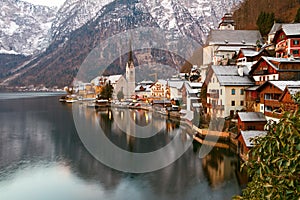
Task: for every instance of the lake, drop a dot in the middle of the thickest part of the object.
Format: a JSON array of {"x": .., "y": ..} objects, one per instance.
[{"x": 43, "y": 157}]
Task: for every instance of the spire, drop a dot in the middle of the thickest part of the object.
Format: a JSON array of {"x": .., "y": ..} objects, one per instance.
[{"x": 130, "y": 58}]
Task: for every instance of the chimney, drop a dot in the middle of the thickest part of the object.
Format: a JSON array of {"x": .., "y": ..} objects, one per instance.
[{"x": 241, "y": 71}]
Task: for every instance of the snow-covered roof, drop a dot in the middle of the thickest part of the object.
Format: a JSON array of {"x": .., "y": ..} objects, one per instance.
[
  {"x": 248, "y": 135},
  {"x": 291, "y": 29},
  {"x": 234, "y": 37},
  {"x": 114, "y": 78},
  {"x": 229, "y": 76},
  {"x": 176, "y": 84},
  {"x": 275, "y": 28},
  {"x": 252, "y": 117},
  {"x": 228, "y": 70},
  {"x": 293, "y": 89},
  {"x": 235, "y": 80},
  {"x": 230, "y": 48},
  {"x": 250, "y": 52},
  {"x": 283, "y": 84}
]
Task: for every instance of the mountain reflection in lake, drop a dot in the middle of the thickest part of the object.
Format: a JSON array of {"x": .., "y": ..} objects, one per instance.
[{"x": 42, "y": 157}]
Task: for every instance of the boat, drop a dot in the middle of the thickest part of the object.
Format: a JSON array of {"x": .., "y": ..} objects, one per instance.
[
  {"x": 101, "y": 103},
  {"x": 71, "y": 98}
]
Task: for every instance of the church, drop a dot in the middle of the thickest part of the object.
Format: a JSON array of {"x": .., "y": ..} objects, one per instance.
[{"x": 121, "y": 83}]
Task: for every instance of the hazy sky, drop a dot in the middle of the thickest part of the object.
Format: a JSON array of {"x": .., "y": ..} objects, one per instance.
[{"x": 47, "y": 2}]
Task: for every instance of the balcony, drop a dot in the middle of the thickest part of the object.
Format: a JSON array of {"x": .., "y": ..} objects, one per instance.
[
  {"x": 280, "y": 49},
  {"x": 213, "y": 95}
]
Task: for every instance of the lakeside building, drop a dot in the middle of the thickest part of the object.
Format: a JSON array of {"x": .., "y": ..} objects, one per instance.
[
  {"x": 251, "y": 121},
  {"x": 226, "y": 90},
  {"x": 270, "y": 95}
]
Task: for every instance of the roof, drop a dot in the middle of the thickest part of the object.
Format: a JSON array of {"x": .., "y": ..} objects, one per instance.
[
  {"x": 114, "y": 78},
  {"x": 226, "y": 70},
  {"x": 292, "y": 90},
  {"x": 254, "y": 88},
  {"x": 272, "y": 60},
  {"x": 283, "y": 84},
  {"x": 248, "y": 135},
  {"x": 252, "y": 117},
  {"x": 291, "y": 29},
  {"x": 230, "y": 48},
  {"x": 250, "y": 52},
  {"x": 229, "y": 76},
  {"x": 190, "y": 89},
  {"x": 275, "y": 28},
  {"x": 234, "y": 37},
  {"x": 235, "y": 81},
  {"x": 176, "y": 84}
]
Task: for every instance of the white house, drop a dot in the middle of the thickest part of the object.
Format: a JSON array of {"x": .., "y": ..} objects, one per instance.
[{"x": 226, "y": 89}]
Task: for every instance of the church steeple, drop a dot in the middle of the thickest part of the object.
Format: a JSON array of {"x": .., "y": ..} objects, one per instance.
[
  {"x": 130, "y": 58},
  {"x": 130, "y": 72}
]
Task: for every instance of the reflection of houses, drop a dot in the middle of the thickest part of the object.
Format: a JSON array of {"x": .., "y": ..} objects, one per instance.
[
  {"x": 251, "y": 121},
  {"x": 270, "y": 93},
  {"x": 245, "y": 144},
  {"x": 191, "y": 92},
  {"x": 226, "y": 89},
  {"x": 287, "y": 40},
  {"x": 218, "y": 168}
]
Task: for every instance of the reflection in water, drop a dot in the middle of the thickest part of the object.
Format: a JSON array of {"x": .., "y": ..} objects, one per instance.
[{"x": 42, "y": 157}]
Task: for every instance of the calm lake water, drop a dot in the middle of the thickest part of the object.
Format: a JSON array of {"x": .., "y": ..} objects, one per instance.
[{"x": 43, "y": 158}]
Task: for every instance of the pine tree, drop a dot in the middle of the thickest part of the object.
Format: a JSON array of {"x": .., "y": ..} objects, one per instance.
[{"x": 297, "y": 18}]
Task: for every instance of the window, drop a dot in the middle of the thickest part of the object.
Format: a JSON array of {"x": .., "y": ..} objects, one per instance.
[
  {"x": 295, "y": 42},
  {"x": 233, "y": 92},
  {"x": 242, "y": 91},
  {"x": 221, "y": 91},
  {"x": 232, "y": 103},
  {"x": 242, "y": 103},
  {"x": 296, "y": 51},
  {"x": 251, "y": 128}
]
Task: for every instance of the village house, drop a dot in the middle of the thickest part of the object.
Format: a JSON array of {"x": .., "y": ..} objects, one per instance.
[
  {"x": 223, "y": 45},
  {"x": 270, "y": 93},
  {"x": 271, "y": 68},
  {"x": 251, "y": 121},
  {"x": 191, "y": 92},
  {"x": 287, "y": 97},
  {"x": 143, "y": 90},
  {"x": 245, "y": 143},
  {"x": 271, "y": 34},
  {"x": 226, "y": 90},
  {"x": 248, "y": 57},
  {"x": 287, "y": 41}
]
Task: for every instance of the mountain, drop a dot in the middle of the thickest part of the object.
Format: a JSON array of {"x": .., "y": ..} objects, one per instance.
[
  {"x": 24, "y": 27},
  {"x": 80, "y": 26}
]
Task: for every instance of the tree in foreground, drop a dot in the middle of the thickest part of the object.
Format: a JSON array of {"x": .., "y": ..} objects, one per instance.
[{"x": 274, "y": 166}]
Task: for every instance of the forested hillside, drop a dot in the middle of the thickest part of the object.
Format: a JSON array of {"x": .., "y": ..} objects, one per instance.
[{"x": 284, "y": 11}]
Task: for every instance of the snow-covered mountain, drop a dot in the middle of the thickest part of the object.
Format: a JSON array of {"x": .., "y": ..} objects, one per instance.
[
  {"x": 81, "y": 25},
  {"x": 24, "y": 27}
]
